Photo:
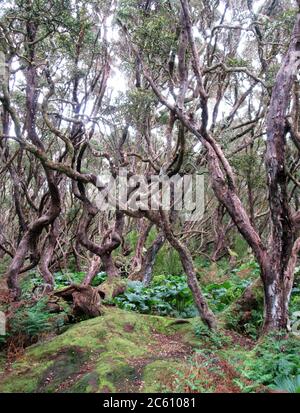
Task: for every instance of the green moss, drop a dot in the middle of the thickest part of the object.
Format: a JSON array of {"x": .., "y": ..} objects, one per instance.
[
  {"x": 113, "y": 372},
  {"x": 112, "y": 288},
  {"x": 109, "y": 344},
  {"x": 159, "y": 374},
  {"x": 86, "y": 384},
  {"x": 66, "y": 365},
  {"x": 24, "y": 378}
]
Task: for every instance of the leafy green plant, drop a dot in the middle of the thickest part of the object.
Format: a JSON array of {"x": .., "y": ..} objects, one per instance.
[
  {"x": 221, "y": 295},
  {"x": 253, "y": 327},
  {"x": 289, "y": 384},
  {"x": 31, "y": 321},
  {"x": 168, "y": 295},
  {"x": 275, "y": 359},
  {"x": 99, "y": 279},
  {"x": 61, "y": 279},
  {"x": 168, "y": 262},
  {"x": 216, "y": 338}
]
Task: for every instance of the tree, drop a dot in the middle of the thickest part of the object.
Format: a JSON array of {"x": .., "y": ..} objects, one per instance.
[
  {"x": 204, "y": 93},
  {"x": 277, "y": 259}
]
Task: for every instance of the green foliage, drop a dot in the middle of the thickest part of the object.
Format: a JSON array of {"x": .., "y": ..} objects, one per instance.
[
  {"x": 271, "y": 74},
  {"x": 274, "y": 360},
  {"x": 31, "y": 321},
  {"x": 61, "y": 279},
  {"x": 4, "y": 262},
  {"x": 202, "y": 262},
  {"x": 214, "y": 338},
  {"x": 287, "y": 18},
  {"x": 168, "y": 295},
  {"x": 237, "y": 62},
  {"x": 168, "y": 262},
  {"x": 253, "y": 327},
  {"x": 240, "y": 246},
  {"x": 154, "y": 30},
  {"x": 222, "y": 295},
  {"x": 136, "y": 105},
  {"x": 291, "y": 385},
  {"x": 295, "y": 301},
  {"x": 99, "y": 279}
]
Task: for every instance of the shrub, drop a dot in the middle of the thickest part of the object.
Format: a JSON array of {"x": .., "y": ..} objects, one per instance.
[
  {"x": 274, "y": 360},
  {"x": 99, "y": 279},
  {"x": 31, "y": 321},
  {"x": 214, "y": 338},
  {"x": 61, "y": 279},
  {"x": 222, "y": 295},
  {"x": 289, "y": 384},
  {"x": 168, "y": 295}
]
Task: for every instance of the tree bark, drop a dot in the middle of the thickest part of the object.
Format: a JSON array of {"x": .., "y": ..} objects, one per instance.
[
  {"x": 149, "y": 259},
  {"x": 111, "y": 240},
  {"x": 274, "y": 260},
  {"x": 137, "y": 260},
  {"x": 47, "y": 256},
  {"x": 93, "y": 270},
  {"x": 35, "y": 228},
  {"x": 205, "y": 313},
  {"x": 278, "y": 274}
]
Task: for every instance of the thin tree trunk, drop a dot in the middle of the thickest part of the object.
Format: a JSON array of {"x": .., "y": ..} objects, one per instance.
[
  {"x": 93, "y": 270},
  {"x": 205, "y": 313},
  {"x": 35, "y": 228},
  {"x": 137, "y": 261},
  {"x": 111, "y": 240},
  {"x": 149, "y": 259},
  {"x": 47, "y": 256}
]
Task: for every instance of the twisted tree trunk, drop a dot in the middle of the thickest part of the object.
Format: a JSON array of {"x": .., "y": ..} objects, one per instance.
[
  {"x": 53, "y": 207},
  {"x": 205, "y": 313},
  {"x": 47, "y": 256},
  {"x": 277, "y": 259}
]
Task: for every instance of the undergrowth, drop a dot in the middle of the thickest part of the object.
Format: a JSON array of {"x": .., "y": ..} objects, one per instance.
[{"x": 275, "y": 362}]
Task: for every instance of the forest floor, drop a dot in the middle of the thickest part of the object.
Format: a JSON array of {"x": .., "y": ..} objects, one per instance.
[
  {"x": 128, "y": 352},
  {"x": 148, "y": 339}
]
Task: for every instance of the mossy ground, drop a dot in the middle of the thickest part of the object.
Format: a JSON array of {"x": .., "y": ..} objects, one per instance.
[{"x": 118, "y": 352}]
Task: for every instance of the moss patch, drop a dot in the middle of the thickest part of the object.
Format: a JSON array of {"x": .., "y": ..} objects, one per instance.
[
  {"x": 158, "y": 374},
  {"x": 86, "y": 384},
  {"x": 97, "y": 355},
  {"x": 68, "y": 362}
]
